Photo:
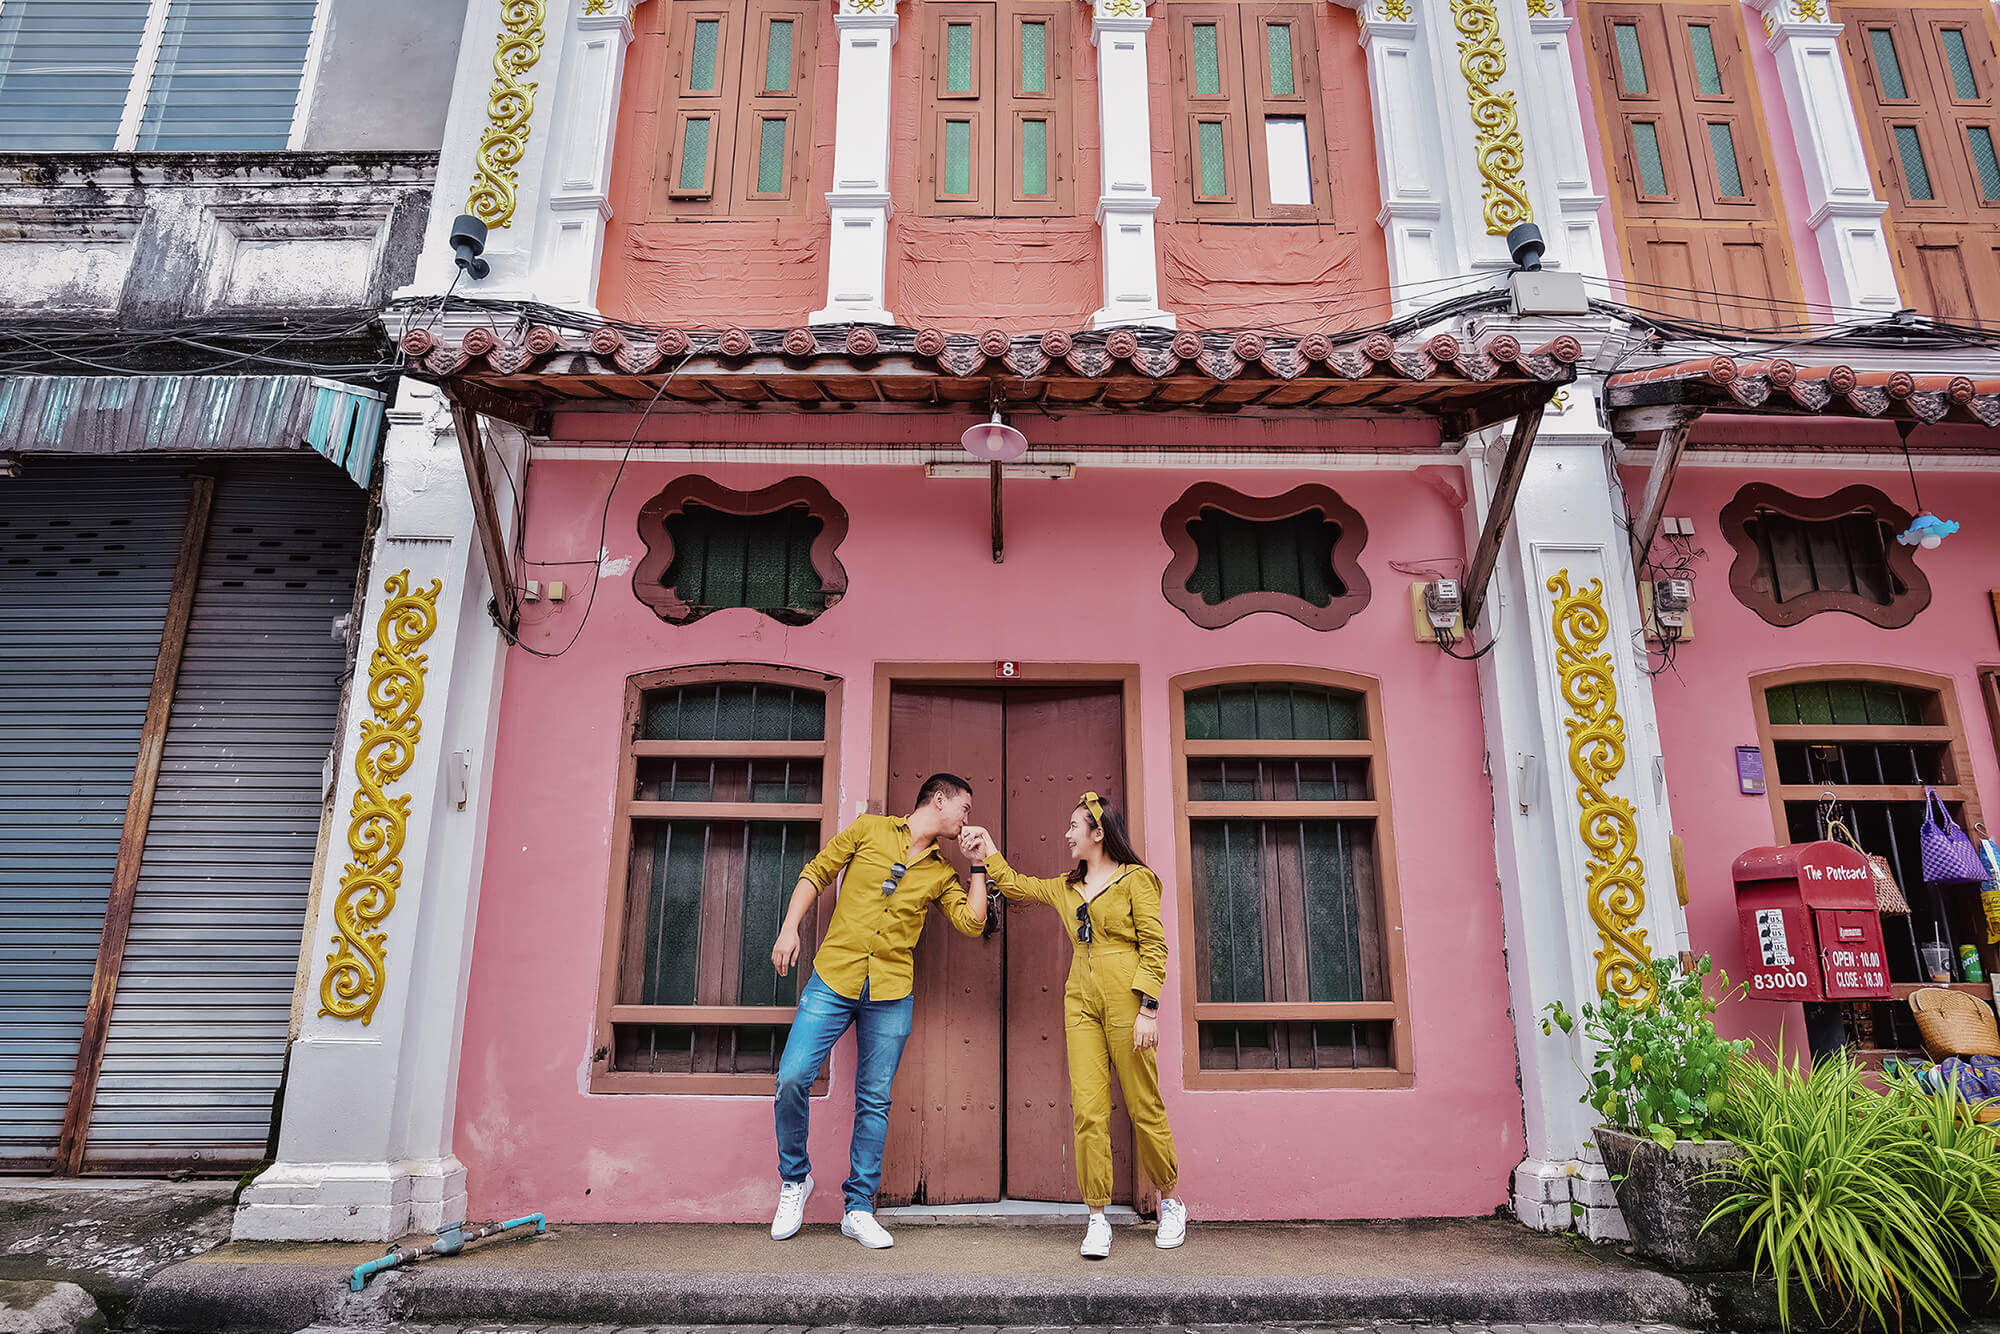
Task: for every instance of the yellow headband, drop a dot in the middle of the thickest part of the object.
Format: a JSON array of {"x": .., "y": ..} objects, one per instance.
[{"x": 1095, "y": 805}]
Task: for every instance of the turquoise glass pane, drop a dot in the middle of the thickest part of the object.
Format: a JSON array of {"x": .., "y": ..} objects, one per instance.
[
  {"x": 1034, "y": 157},
  {"x": 1888, "y": 68},
  {"x": 694, "y": 154},
  {"x": 1278, "y": 50},
  {"x": 1646, "y": 147},
  {"x": 1988, "y": 165},
  {"x": 771, "y": 158},
  {"x": 707, "y": 36},
  {"x": 1722, "y": 146},
  {"x": 1214, "y": 173},
  {"x": 1707, "y": 74},
  {"x": 1963, "y": 85},
  {"x": 958, "y": 157},
  {"x": 1034, "y": 61},
  {"x": 958, "y": 58},
  {"x": 1916, "y": 172},
  {"x": 1631, "y": 60},
  {"x": 1207, "y": 61},
  {"x": 778, "y": 58}
]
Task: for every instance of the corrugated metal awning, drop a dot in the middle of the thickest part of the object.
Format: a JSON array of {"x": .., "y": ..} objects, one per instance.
[{"x": 128, "y": 414}]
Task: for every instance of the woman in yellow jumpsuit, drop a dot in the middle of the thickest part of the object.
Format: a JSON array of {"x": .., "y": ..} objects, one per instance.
[{"x": 1110, "y": 906}]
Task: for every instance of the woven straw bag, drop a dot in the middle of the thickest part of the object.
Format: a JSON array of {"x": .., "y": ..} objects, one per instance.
[
  {"x": 1954, "y": 1023},
  {"x": 1889, "y": 898}
]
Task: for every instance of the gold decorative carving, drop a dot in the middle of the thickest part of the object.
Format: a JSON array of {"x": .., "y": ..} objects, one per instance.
[
  {"x": 1811, "y": 11},
  {"x": 510, "y": 104},
  {"x": 1396, "y": 11},
  {"x": 1545, "y": 9},
  {"x": 597, "y": 7},
  {"x": 1482, "y": 58},
  {"x": 1561, "y": 400},
  {"x": 1123, "y": 9},
  {"x": 1608, "y": 825},
  {"x": 378, "y": 822}
]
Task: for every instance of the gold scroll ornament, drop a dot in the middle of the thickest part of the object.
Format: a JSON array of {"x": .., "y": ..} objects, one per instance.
[
  {"x": 510, "y": 104},
  {"x": 379, "y": 822},
  {"x": 1496, "y": 124},
  {"x": 1616, "y": 877}
]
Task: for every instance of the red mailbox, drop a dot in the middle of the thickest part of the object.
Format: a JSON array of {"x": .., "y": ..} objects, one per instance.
[{"x": 1810, "y": 929}]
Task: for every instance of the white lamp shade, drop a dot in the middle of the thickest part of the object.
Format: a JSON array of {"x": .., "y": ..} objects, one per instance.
[{"x": 994, "y": 441}]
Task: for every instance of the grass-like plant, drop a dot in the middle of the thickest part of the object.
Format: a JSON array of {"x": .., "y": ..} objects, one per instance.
[{"x": 1875, "y": 1204}]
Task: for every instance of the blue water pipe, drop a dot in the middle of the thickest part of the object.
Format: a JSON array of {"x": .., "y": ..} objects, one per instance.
[{"x": 449, "y": 1242}]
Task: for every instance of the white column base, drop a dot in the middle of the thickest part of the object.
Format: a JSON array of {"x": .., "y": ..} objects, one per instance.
[
  {"x": 1575, "y": 1195},
  {"x": 380, "y": 1202},
  {"x": 1123, "y": 318},
  {"x": 855, "y": 277}
]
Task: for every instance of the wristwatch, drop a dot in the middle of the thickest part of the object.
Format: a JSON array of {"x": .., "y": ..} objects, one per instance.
[
  {"x": 1148, "y": 1003},
  {"x": 979, "y": 868}
]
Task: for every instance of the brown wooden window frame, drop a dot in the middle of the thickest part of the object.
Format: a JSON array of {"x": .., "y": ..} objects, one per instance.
[
  {"x": 1693, "y": 213},
  {"x": 649, "y": 576},
  {"x": 1901, "y": 560},
  {"x": 1946, "y": 728},
  {"x": 1306, "y": 499},
  {"x": 1244, "y": 106},
  {"x": 628, "y": 811},
  {"x": 996, "y": 107},
  {"x": 737, "y": 109},
  {"x": 1400, "y": 1073}
]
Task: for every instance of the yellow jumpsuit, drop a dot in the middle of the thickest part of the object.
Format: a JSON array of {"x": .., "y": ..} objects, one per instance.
[{"x": 1126, "y": 955}]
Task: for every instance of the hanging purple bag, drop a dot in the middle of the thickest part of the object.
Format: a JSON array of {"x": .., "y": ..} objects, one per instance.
[{"x": 1948, "y": 854}]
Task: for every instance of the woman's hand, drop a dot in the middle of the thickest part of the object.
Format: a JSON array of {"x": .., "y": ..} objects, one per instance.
[{"x": 1146, "y": 1031}]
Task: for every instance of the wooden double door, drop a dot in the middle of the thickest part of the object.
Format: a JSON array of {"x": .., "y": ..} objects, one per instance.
[{"x": 981, "y": 1106}]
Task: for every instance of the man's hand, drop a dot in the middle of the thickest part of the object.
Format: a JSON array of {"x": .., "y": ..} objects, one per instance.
[
  {"x": 975, "y": 842},
  {"x": 786, "y": 952},
  {"x": 1145, "y": 1031}
]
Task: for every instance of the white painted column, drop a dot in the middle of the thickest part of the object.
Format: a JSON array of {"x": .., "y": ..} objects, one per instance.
[
  {"x": 858, "y": 253},
  {"x": 1410, "y": 154},
  {"x": 1457, "y": 162},
  {"x": 1568, "y": 203},
  {"x": 1566, "y": 519},
  {"x": 365, "y": 1153},
  {"x": 1845, "y": 217},
  {"x": 1126, "y": 204},
  {"x": 534, "y": 56},
  {"x": 583, "y": 129}
]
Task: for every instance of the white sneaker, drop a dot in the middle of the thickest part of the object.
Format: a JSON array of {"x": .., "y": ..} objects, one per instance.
[
  {"x": 1097, "y": 1238},
  {"x": 1173, "y": 1224},
  {"x": 861, "y": 1225},
  {"x": 792, "y": 1197}
]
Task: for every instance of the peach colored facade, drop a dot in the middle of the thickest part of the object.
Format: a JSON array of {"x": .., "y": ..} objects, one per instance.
[{"x": 1081, "y": 584}]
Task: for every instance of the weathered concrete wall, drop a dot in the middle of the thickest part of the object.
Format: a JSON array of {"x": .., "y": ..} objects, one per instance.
[
  {"x": 152, "y": 238},
  {"x": 384, "y": 77}
]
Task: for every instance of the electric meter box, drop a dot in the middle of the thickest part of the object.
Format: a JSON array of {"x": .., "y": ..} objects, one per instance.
[{"x": 1810, "y": 929}]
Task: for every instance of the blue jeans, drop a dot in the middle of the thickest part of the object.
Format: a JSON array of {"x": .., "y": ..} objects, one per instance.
[{"x": 880, "y": 1030}]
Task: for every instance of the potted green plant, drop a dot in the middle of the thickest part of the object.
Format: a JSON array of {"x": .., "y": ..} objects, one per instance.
[{"x": 1661, "y": 1083}]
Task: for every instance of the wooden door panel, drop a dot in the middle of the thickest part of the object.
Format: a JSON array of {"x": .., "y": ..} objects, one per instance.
[
  {"x": 1060, "y": 744},
  {"x": 1748, "y": 275},
  {"x": 1669, "y": 267},
  {"x": 944, "y": 1122}
]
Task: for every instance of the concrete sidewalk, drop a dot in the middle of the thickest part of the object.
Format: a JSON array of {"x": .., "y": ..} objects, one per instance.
[{"x": 1478, "y": 1271}]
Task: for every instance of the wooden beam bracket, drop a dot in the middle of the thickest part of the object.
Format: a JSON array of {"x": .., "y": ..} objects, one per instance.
[
  {"x": 1506, "y": 489},
  {"x": 1659, "y": 481},
  {"x": 486, "y": 515}
]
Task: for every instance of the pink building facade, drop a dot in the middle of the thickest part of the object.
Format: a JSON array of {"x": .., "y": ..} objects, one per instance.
[{"x": 1335, "y": 551}]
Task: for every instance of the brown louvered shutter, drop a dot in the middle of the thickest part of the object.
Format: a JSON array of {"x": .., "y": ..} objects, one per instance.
[
  {"x": 1285, "y": 127},
  {"x": 1927, "y": 81},
  {"x": 698, "y": 118},
  {"x": 774, "y": 140},
  {"x": 959, "y": 106},
  {"x": 1649, "y": 146},
  {"x": 1211, "y": 115},
  {"x": 1035, "y": 171},
  {"x": 1725, "y": 143}
]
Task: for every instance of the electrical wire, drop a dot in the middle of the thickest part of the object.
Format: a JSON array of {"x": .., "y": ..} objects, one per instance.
[{"x": 603, "y": 524}]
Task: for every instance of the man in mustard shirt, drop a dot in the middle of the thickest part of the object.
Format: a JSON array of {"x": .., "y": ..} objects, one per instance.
[{"x": 862, "y": 977}]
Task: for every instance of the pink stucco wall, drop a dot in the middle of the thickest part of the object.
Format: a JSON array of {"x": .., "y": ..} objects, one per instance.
[
  {"x": 923, "y": 585},
  {"x": 1706, "y": 708}
]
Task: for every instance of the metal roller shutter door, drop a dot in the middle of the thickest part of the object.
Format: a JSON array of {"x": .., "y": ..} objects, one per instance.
[
  {"x": 198, "y": 1031},
  {"x": 87, "y": 554}
]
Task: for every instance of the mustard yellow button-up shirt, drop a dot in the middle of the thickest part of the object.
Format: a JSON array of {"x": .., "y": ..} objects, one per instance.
[
  {"x": 1128, "y": 948},
  {"x": 873, "y": 936}
]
